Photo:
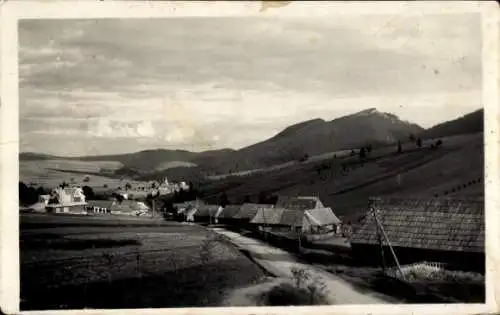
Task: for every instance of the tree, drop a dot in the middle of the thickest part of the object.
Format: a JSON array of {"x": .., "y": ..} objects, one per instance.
[
  {"x": 63, "y": 185},
  {"x": 88, "y": 192},
  {"x": 128, "y": 186},
  {"x": 439, "y": 143},
  {"x": 262, "y": 197},
  {"x": 419, "y": 142},
  {"x": 105, "y": 186},
  {"x": 27, "y": 195},
  {"x": 369, "y": 148},
  {"x": 86, "y": 179},
  {"x": 224, "y": 201},
  {"x": 353, "y": 153},
  {"x": 362, "y": 153},
  {"x": 40, "y": 191},
  {"x": 118, "y": 197},
  {"x": 400, "y": 148},
  {"x": 412, "y": 137}
]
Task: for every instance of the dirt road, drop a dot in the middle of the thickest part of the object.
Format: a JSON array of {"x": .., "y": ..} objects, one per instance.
[{"x": 280, "y": 263}]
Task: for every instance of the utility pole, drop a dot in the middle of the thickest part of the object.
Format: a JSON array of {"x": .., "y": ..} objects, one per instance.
[
  {"x": 387, "y": 240},
  {"x": 379, "y": 236}
]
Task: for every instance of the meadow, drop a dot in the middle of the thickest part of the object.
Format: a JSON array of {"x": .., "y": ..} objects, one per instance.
[
  {"x": 51, "y": 173},
  {"x": 79, "y": 262}
]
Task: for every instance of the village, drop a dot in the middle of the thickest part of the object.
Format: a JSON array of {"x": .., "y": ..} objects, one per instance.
[
  {"x": 237, "y": 160},
  {"x": 405, "y": 238}
]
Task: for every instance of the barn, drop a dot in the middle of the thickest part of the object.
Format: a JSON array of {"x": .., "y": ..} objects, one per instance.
[{"x": 444, "y": 230}]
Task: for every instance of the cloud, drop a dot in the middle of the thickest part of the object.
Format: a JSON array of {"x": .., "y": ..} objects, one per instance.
[
  {"x": 215, "y": 82},
  {"x": 105, "y": 127}
]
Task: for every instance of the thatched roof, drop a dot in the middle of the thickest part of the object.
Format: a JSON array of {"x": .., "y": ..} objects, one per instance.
[
  {"x": 268, "y": 216},
  {"x": 230, "y": 211},
  {"x": 206, "y": 211},
  {"x": 249, "y": 210},
  {"x": 298, "y": 203},
  {"x": 438, "y": 224},
  {"x": 323, "y": 216},
  {"x": 288, "y": 217},
  {"x": 291, "y": 217}
]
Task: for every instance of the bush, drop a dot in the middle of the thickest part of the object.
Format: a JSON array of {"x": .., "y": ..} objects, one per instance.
[
  {"x": 362, "y": 153},
  {"x": 286, "y": 294}
]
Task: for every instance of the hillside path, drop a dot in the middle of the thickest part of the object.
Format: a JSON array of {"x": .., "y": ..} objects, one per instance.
[{"x": 280, "y": 263}]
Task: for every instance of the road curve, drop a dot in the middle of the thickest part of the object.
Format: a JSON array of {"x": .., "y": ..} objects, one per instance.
[{"x": 280, "y": 263}]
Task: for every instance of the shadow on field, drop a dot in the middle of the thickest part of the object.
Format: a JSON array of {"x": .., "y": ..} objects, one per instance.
[
  {"x": 200, "y": 286},
  {"x": 53, "y": 241}
]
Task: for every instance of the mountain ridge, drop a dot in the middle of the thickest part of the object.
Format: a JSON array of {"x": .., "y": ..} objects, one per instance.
[{"x": 307, "y": 138}]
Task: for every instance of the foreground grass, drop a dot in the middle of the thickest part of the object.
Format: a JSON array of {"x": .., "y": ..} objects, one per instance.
[
  {"x": 134, "y": 266},
  {"x": 414, "y": 290}
]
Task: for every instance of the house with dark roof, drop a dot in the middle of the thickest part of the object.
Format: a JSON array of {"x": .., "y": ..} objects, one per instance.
[
  {"x": 299, "y": 203},
  {"x": 289, "y": 221},
  {"x": 206, "y": 213},
  {"x": 248, "y": 211},
  {"x": 228, "y": 213},
  {"x": 442, "y": 230},
  {"x": 99, "y": 206}
]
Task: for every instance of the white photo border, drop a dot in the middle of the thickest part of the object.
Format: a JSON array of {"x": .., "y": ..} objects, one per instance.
[{"x": 13, "y": 11}]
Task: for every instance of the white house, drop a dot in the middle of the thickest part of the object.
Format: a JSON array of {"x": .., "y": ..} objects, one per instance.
[{"x": 67, "y": 200}]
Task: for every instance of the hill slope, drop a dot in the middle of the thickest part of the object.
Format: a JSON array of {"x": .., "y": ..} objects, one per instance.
[
  {"x": 345, "y": 183},
  {"x": 317, "y": 136},
  {"x": 310, "y": 137},
  {"x": 470, "y": 123}
]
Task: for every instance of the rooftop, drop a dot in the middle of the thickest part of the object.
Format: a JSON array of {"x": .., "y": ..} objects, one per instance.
[{"x": 439, "y": 224}]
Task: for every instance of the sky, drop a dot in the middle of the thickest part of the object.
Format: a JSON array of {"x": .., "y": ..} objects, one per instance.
[{"x": 108, "y": 86}]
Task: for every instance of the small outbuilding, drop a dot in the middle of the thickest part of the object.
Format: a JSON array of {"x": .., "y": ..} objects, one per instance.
[{"x": 99, "y": 206}]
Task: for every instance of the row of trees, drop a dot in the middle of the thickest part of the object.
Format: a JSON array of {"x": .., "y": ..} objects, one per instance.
[{"x": 29, "y": 195}]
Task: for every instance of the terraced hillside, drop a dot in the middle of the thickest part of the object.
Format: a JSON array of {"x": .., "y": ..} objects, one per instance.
[{"x": 455, "y": 168}]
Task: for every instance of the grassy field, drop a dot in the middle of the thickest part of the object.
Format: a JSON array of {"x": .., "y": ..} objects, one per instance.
[
  {"x": 77, "y": 262},
  {"x": 345, "y": 183},
  {"x": 51, "y": 173}
]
